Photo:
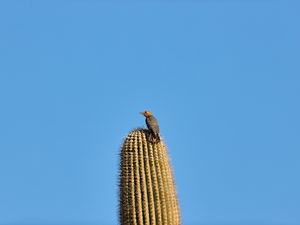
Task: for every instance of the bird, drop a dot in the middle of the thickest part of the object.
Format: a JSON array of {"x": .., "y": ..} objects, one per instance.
[{"x": 153, "y": 126}]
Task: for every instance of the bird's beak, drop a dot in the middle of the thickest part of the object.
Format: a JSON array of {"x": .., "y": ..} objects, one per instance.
[{"x": 142, "y": 113}]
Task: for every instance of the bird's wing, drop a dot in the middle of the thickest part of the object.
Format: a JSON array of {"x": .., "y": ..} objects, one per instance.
[{"x": 152, "y": 124}]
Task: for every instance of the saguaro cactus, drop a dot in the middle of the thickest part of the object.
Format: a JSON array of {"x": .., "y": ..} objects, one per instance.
[{"x": 147, "y": 190}]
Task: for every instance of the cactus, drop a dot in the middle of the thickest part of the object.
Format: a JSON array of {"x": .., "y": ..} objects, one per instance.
[{"x": 147, "y": 190}]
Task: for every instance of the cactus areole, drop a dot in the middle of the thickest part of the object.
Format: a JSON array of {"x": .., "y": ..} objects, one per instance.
[{"x": 147, "y": 190}]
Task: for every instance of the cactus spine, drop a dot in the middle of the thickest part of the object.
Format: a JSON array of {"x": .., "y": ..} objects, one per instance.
[{"x": 147, "y": 190}]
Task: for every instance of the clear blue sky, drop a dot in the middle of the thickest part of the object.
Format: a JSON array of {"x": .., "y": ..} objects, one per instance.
[{"x": 222, "y": 77}]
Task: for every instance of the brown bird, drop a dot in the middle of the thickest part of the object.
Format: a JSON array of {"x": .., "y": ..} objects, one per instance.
[{"x": 153, "y": 126}]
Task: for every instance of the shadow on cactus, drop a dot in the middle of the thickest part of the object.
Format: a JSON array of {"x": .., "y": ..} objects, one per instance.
[{"x": 147, "y": 189}]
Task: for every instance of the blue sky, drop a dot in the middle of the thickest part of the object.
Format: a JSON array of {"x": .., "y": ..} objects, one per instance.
[{"x": 222, "y": 77}]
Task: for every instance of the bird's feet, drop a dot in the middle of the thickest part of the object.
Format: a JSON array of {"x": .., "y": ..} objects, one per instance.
[{"x": 154, "y": 139}]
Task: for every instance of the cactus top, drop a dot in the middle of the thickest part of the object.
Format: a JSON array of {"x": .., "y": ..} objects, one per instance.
[{"x": 147, "y": 189}]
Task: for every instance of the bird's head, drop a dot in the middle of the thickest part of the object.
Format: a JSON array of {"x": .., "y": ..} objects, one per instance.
[{"x": 146, "y": 113}]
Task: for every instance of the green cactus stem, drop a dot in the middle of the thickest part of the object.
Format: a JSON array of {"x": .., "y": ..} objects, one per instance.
[{"x": 147, "y": 190}]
